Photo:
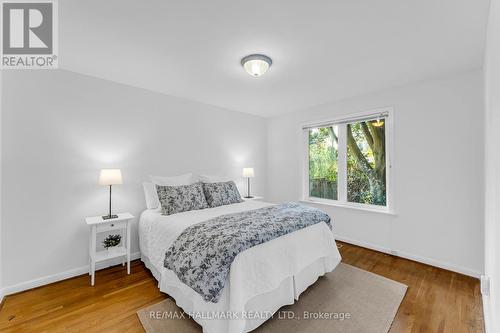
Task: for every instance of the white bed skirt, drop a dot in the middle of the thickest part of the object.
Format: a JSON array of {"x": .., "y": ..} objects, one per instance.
[{"x": 256, "y": 311}]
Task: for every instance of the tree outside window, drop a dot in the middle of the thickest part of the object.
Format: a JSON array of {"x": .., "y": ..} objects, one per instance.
[{"x": 364, "y": 172}]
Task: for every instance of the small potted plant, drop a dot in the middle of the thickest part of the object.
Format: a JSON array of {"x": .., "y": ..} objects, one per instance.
[{"x": 111, "y": 242}]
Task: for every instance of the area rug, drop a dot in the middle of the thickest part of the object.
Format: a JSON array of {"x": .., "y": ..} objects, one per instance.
[{"x": 348, "y": 299}]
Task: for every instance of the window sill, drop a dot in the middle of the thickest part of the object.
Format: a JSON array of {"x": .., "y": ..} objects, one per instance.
[{"x": 344, "y": 205}]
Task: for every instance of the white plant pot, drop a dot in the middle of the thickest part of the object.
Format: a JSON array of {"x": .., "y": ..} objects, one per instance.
[{"x": 113, "y": 249}]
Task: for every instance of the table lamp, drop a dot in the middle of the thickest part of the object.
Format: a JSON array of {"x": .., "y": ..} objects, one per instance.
[
  {"x": 110, "y": 177},
  {"x": 248, "y": 173}
]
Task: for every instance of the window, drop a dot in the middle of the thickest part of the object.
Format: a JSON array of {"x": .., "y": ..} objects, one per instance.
[
  {"x": 366, "y": 164},
  {"x": 347, "y": 160},
  {"x": 323, "y": 166}
]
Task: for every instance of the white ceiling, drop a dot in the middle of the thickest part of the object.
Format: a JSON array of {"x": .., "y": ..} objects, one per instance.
[{"x": 322, "y": 50}]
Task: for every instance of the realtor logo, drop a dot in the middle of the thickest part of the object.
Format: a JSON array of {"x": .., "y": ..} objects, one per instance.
[{"x": 29, "y": 34}]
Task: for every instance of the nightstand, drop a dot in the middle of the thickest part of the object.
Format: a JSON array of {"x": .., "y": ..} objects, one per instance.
[
  {"x": 256, "y": 198},
  {"x": 98, "y": 225}
]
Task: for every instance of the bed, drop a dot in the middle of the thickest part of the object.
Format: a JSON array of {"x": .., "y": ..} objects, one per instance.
[{"x": 262, "y": 278}]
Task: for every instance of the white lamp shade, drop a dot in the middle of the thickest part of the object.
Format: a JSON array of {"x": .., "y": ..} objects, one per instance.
[
  {"x": 248, "y": 172},
  {"x": 110, "y": 177}
]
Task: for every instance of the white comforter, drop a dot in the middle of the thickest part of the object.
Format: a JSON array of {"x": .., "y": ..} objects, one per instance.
[{"x": 256, "y": 271}]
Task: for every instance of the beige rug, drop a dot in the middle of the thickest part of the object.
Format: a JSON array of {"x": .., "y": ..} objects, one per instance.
[{"x": 354, "y": 300}]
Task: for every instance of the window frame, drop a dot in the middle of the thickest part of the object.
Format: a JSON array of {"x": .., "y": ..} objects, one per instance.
[{"x": 341, "y": 122}]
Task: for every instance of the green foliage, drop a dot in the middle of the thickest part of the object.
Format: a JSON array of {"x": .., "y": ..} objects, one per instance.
[
  {"x": 322, "y": 155},
  {"x": 323, "y": 170},
  {"x": 366, "y": 177},
  {"x": 111, "y": 241},
  {"x": 365, "y": 163},
  {"x": 359, "y": 185}
]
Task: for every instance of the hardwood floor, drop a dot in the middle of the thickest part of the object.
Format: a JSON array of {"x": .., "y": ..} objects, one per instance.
[{"x": 437, "y": 300}]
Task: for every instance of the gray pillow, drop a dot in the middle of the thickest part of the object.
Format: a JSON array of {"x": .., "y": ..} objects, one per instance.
[
  {"x": 224, "y": 193},
  {"x": 176, "y": 199}
]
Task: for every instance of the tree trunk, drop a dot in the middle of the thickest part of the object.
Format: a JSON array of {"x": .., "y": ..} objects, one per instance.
[{"x": 375, "y": 137}]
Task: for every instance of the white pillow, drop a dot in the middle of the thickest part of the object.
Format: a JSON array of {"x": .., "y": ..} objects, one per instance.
[
  {"x": 152, "y": 201},
  {"x": 186, "y": 179},
  {"x": 213, "y": 178}
]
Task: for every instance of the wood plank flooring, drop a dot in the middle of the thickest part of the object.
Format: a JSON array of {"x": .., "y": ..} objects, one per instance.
[{"x": 437, "y": 300}]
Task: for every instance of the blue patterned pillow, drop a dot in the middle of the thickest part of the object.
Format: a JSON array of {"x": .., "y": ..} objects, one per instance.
[
  {"x": 176, "y": 199},
  {"x": 224, "y": 193}
]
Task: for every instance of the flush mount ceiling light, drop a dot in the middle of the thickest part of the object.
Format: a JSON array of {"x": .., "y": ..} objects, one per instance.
[{"x": 256, "y": 64}]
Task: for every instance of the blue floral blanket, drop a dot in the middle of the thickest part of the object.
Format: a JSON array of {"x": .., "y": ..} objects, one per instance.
[{"x": 202, "y": 255}]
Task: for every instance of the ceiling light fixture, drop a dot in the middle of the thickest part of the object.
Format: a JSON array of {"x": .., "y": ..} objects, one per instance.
[{"x": 256, "y": 64}]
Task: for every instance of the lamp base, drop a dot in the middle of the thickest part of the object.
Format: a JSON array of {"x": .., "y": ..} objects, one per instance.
[
  {"x": 108, "y": 217},
  {"x": 248, "y": 197}
]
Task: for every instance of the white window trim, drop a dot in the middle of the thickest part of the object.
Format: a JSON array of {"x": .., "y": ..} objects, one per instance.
[
  {"x": 349, "y": 205},
  {"x": 342, "y": 161}
]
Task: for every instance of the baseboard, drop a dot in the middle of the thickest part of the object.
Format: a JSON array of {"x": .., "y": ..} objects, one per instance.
[
  {"x": 424, "y": 260},
  {"x": 363, "y": 244},
  {"x": 488, "y": 328},
  {"x": 60, "y": 276}
]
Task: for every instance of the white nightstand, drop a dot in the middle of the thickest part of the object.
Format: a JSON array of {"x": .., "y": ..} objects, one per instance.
[
  {"x": 257, "y": 198},
  {"x": 97, "y": 225}
]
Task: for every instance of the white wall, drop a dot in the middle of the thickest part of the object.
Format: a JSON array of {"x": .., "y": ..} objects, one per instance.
[
  {"x": 437, "y": 164},
  {"x": 59, "y": 128},
  {"x": 1, "y": 194},
  {"x": 492, "y": 208}
]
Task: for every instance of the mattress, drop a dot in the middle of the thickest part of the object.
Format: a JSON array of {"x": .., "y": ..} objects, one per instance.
[{"x": 262, "y": 278}]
